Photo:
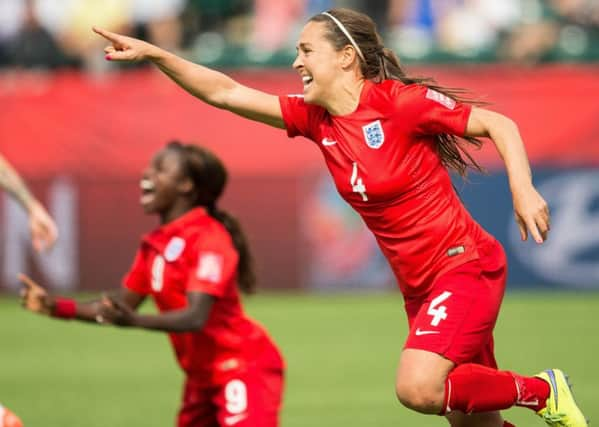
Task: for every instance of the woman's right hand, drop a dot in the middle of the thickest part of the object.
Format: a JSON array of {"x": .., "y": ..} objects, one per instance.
[
  {"x": 35, "y": 298},
  {"x": 123, "y": 48}
]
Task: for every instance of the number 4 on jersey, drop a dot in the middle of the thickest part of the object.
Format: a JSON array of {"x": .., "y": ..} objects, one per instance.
[
  {"x": 439, "y": 312},
  {"x": 357, "y": 183}
]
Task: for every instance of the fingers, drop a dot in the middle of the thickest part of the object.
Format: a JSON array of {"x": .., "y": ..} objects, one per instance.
[
  {"x": 543, "y": 227},
  {"x": 534, "y": 231},
  {"x": 26, "y": 280},
  {"x": 33, "y": 296},
  {"x": 108, "y": 35},
  {"x": 522, "y": 228},
  {"x": 118, "y": 304}
]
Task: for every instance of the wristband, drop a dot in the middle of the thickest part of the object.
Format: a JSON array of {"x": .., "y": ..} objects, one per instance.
[{"x": 65, "y": 308}]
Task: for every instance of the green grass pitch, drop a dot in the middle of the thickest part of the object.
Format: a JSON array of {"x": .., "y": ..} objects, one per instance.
[{"x": 341, "y": 352}]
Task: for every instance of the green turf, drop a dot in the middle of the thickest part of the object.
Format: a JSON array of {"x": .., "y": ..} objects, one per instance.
[{"x": 341, "y": 353}]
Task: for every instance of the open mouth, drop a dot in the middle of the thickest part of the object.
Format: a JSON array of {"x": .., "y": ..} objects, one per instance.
[
  {"x": 307, "y": 80},
  {"x": 147, "y": 190}
]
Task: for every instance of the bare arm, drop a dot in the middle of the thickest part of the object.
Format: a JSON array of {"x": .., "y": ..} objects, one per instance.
[
  {"x": 531, "y": 211},
  {"x": 120, "y": 309},
  {"x": 210, "y": 86},
  {"x": 42, "y": 227},
  {"x": 36, "y": 298},
  {"x": 12, "y": 182},
  {"x": 188, "y": 319}
]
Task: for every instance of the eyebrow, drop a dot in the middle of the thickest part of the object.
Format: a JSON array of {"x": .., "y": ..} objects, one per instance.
[{"x": 302, "y": 45}]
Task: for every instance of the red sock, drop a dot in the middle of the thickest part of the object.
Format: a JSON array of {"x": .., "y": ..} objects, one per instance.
[
  {"x": 506, "y": 424},
  {"x": 532, "y": 392},
  {"x": 476, "y": 388}
]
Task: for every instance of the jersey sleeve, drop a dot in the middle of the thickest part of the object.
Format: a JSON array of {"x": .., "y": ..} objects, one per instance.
[
  {"x": 300, "y": 118},
  {"x": 136, "y": 278},
  {"x": 429, "y": 112},
  {"x": 213, "y": 265}
]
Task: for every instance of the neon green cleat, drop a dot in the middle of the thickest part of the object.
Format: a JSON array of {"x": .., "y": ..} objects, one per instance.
[{"x": 561, "y": 409}]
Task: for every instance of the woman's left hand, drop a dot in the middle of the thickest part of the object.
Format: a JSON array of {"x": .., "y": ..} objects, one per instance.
[
  {"x": 116, "y": 312},
  {"x": 532, "y": 214}
]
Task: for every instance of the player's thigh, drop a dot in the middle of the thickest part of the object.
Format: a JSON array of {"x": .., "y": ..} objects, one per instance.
[
  {"x": 482, "y": 419},
  {"x": 251, "y": 399},
  {"x": 456, "y": 319},
  {"x": 422, "y": 369}
]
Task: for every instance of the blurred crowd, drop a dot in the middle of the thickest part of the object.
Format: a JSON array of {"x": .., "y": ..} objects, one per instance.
[{"x": 39, "y": 34}]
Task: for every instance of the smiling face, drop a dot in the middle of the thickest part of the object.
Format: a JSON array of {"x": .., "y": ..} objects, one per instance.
[
  {"x": 318, "y": 63},
  {"x": 165, "y": 189}
]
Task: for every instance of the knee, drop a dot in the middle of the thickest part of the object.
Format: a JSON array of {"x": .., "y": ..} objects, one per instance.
[{"x": 423, "y": 396}]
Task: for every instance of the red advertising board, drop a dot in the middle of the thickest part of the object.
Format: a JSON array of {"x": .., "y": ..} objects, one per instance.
[{"x": 82, "y": 141}]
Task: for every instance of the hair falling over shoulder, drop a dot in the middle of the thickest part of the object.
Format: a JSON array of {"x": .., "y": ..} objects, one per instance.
[
  {"x": 381, "y": 63},
  {"x": 209, "y": 177}
]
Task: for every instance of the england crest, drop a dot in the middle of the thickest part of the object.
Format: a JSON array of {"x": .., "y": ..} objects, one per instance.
[{"x": 373, "y": 134}]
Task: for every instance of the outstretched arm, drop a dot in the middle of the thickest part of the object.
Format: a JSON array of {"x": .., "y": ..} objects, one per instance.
[
  {"x": 188, "y": 319},
  {"x": 118, "y": 309},
  {"x": 35, "y": 298},
  {"x": 530, "y": 209},
  {"x": 210, "y": 86},
  {"x": 43, "y": 229}
]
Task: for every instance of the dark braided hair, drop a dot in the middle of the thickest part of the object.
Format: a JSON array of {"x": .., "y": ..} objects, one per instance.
[
  {"x": 381, "y": 63},
  {"x": 209, "y": 178}
]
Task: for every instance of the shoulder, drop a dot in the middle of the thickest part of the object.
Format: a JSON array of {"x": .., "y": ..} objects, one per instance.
[
  {"x": 395, "y": 91},
  {"x": 208, "y": 232},
  {"x": 296, "y": 102}
]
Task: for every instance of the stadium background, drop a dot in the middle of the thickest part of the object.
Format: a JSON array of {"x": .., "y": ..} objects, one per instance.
[{"x": 80, "y": 130}]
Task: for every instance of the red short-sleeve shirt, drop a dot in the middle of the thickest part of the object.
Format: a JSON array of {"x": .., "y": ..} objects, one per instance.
[
  {"x": 194, "y": 253},
  {"x": 383, "y": 159}
]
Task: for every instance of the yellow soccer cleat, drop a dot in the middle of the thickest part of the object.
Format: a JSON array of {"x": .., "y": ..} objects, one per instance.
[{"x": 561, "y": 409}]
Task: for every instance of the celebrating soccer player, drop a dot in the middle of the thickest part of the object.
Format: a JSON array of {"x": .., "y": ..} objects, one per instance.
[
  {"x": 388, "y": 140},
  {"x": 192, "y": 266}
]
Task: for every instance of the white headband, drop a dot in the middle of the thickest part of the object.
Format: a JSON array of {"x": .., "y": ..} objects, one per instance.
[{"x": 347, "y": 34}]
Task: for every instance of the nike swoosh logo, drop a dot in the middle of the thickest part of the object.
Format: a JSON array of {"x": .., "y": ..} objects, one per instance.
[
  {"x": 234, "y": 419},
  {"x": 327, "y": 142},
  {"x": 420, "y": 332}
]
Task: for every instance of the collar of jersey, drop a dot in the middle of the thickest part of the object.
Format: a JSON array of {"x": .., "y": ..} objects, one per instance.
[{"x": 160, "y": 237}]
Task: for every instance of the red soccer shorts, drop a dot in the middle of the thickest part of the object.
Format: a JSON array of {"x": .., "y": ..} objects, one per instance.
[
  {"x": 456, "y": 319},
  {"x": 250, "y": 399}
]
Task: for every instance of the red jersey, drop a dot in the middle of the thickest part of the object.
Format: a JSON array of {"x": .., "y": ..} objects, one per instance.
[
  {"x": 384, "y": 162},
  {"x": 195, "y": 253}
]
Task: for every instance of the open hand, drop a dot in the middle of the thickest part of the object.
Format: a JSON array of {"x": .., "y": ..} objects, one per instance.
[
  {"x": 33, "y": 297},
  {"x": 43, "y": 229},
  {"x": 124, "y": 48},
  {"x": 532, "y": 214}
]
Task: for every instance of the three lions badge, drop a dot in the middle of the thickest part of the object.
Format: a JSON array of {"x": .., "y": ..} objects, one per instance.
[{"x": 373, "y": 134}]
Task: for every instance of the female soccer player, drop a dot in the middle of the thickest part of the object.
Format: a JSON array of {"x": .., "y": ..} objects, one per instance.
[
  {"x": 192, "y": 266},
  {"x": 388, "y": 140},
  {"x": 42, "y": 227}
]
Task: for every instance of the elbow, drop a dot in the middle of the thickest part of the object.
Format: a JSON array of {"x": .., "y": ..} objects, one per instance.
[
  {"x": 505, "y": 123},
  {"x": 196, "y": 325},
  {"x": 501, "y": 126},
  {"x": 192, "y": 323}
]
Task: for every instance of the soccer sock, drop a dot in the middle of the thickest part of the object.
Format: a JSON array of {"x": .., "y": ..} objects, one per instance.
[
  {"x": 476, "y": 388},
  {"x": 506, "y": 424},
  {"x": 532, "y": 392}
]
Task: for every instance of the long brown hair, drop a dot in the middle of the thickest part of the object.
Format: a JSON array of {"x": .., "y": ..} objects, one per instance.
[
  {"x": 381, "y": 63},
  {"x": 209, "y": 177}
]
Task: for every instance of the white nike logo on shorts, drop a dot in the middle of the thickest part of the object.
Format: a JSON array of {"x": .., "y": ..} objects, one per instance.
[
  {"x": 327, "y": 142},
  {"x": 420, "y": 332},
  {"x": 234, "y": 419}
]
